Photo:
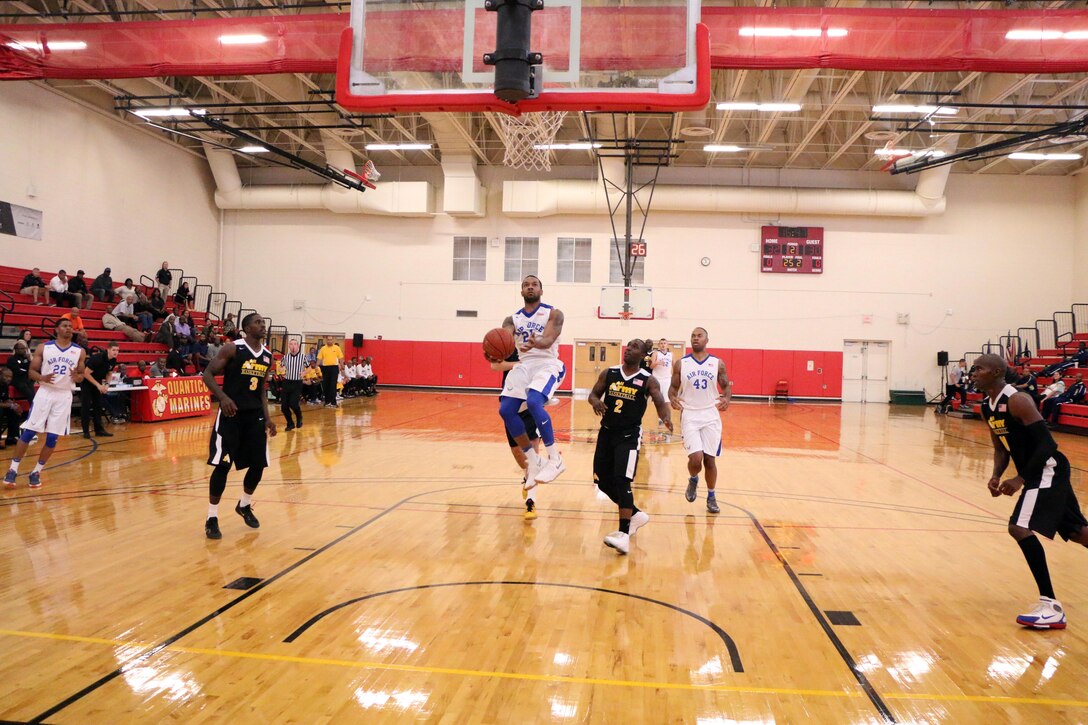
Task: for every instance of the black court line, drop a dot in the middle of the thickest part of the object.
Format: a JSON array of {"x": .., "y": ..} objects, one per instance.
[
  {"x": 730, "y": 645},
  {"x": 77, "y": 459},
  {"x": 155, "y": 649},
  {"x": 862, "y": 680},
  {"x": 808, "y": 573}
]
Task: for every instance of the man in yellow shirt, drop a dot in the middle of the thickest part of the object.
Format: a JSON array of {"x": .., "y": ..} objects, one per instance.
[{"x": 330, "y": 357}]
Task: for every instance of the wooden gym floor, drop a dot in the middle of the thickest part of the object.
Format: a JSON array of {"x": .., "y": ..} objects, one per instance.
[{"x": 858, "y": 573}]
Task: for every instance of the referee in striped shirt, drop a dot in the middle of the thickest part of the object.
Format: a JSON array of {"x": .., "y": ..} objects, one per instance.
[{"x": 294, "y": 362}]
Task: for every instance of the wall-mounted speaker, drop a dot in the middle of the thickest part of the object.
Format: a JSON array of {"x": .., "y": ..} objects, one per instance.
[{"x": 357, "y": 341}]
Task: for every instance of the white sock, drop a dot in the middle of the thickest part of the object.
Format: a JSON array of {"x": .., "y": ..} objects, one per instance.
[
  {"x": 531, "y": 494},
  {"x": 213, "y": 511},
  {"x": 15, "y": 464},
  {"x": 38, "y": 467},
  {"x": 246, "y": 499},
  {"x": 553, "y": 452}
]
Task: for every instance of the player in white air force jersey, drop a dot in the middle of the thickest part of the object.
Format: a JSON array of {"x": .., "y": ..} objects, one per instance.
[
  {"x": 57, "y": 366},
  {"x": 700, "y": 388},
  {"x": 661, "y": 368},
  {"x": 536, "y": 328}
]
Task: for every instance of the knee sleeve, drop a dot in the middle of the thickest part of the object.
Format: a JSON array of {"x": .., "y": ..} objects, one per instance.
[
  {"x": 253, "y": 477},
  {"x": 508, "y": 409},
  {"x": 536, "y": 401},
  {"x": 218, "y": 481},
  {"x": 26, "y": 436},
  {"x": 51, "y": 440}
]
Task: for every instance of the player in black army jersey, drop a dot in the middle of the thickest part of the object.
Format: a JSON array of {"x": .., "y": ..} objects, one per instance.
[
  {"x": 1047, "y": 502},
  {"x": 619, "y": 397},
  {"x": 242, "y": 425}
]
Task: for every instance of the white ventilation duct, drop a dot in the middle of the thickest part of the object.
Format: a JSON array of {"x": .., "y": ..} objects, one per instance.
[
  {"x": 462, "y": 192},
  {"x": 549, "y": 198},
  {"x": 399, "y": 198}
]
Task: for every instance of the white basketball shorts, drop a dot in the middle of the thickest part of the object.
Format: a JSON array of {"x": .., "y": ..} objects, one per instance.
[
  {"x": 702, "y": 431},
  {"x": 542, "y": 374}
]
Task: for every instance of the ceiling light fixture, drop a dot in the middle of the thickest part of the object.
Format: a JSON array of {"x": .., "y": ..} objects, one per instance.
[
  {"x": 252, "y": 39},
  {"x": 777, "y": 32},
  {"x": 253, "y": 150},
  {"x": 720, "y": 149},
  {"x": 1046, "y": 35},
  {"x": 172, "y": 112},
  {"x": 50, "y": 45},
  {"x": 893, "y": 153},
  {"x": 1034, "y": 156},
  {"x": 926, "y": 110},
  {"x": 578, "y": 146},
  {"x": 398, "y": 147},
  {"x": 764, "y": 107}
]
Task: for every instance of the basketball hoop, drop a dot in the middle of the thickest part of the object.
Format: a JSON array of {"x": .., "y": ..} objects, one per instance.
[
  {"x": 528, "y": 139},
  {"x": 625, "y": 315}
]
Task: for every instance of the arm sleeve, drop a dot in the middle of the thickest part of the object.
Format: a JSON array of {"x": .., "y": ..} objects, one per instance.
[{"x": 1045, "y": 447}]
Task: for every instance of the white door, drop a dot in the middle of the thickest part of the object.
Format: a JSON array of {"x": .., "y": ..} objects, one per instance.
[
  {"x": 853, "y": 371},
  {"x": 865, "y": 371},
  {"x": 876, "y": 372}
]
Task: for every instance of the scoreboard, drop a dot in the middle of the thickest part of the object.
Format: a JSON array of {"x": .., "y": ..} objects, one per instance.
[{"x": 792, "y": 250}]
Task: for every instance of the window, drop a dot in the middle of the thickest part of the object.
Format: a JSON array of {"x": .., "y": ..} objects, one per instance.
[
  {"x": 573, "y": 257},
  {"x": 470, "y": 258},
  {"x": 522, "y": 257},
  {"x": 615, "y": 266}
]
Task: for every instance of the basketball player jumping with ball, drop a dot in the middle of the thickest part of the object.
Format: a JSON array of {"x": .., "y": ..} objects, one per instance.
[{"x": 536, "y": 328}]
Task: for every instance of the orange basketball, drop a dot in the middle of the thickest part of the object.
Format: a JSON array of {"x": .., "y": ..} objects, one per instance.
[{"x": 498, "y": 344}]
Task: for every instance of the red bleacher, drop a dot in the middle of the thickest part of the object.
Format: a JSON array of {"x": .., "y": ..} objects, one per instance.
[{"x": 27, "y": 315}]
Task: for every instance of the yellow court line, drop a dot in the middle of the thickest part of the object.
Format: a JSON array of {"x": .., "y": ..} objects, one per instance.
[{"x": 422, "y": 669}]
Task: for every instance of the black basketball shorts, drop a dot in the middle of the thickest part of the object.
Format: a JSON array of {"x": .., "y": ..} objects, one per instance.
[
  {"x": 616, "y": 456},
  {"x": 241, "y": 440},
  {"x": 1050, "y": 506}
]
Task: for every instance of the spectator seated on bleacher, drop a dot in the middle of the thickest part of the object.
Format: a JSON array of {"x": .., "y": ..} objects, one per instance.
[
  {"x": 1078, "y": 358},
  {"x": 77, "y": 287},
  {"x": 165, "y": 333},
  {"x": 1052, "y": 407},
  {"x": 1027, "y": 383},
  {"x": 72, "y": 316},
  {"x": 27, "y": 337},
  {"x": 9, "y": 411},
  {"x": 230, "y": 329},
  {"x": 128, "y": 288},
  {"x": 158, "y": 368},
  {"x": 183, "y": 298},
  {"x": 157, "y": 304},
  {"x": 200, "y": 354},
  {"x": 125, "y": 311},
  {"x": 176, "y": 359},
  {"x": 183, "y": 334},
  {"x": 34, "y": 286},
  {"x": 19, "y": 364},
  {"x": 111, "y": 322},
  {"x": 102, "y": 287},
  {"x": 1053, "y": 390},
  {"x": 214, "y": 346},
  {"x": 58, "y": 291}
]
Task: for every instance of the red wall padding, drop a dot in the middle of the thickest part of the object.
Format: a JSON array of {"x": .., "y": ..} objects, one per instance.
[
  {"x": 462, "y": 365},
  {"x": 893, "y": 39}
]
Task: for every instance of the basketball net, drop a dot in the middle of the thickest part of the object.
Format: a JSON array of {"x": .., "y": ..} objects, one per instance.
[
  {"x": 525, "y": 134},
  {"x": 626, "y": 315}
]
